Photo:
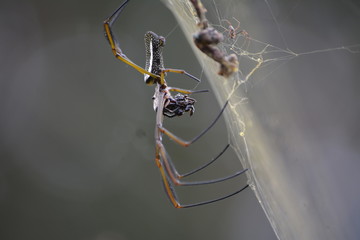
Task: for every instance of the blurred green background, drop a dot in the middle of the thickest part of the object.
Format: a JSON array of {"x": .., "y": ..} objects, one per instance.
[{"x": 77, "y": 131}]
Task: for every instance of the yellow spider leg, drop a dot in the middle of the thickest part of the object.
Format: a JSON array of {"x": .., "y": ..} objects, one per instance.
[
  {"x": 167, "y": 185},
  {"x": 176, "y": 138},
  {"x": 185, "y": 91},
  {"x": 114, "y": 45},
  {"x": 181, "y": 72}
]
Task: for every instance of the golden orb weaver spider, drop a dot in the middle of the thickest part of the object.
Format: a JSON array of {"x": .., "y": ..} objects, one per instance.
[{"x": 167, "y": 105}]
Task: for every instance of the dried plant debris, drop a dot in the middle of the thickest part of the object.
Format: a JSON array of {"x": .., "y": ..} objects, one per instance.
[
  {"x": 200, "y": 11},
  {"x": 207, "y": 40}
]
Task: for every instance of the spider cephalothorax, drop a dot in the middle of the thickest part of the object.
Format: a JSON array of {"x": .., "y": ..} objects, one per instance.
[
  {"x": 172, "y": 105},
  {"x": 178, "y": 105}
]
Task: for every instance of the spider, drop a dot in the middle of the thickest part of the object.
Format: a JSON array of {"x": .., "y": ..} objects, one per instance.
[
  {"x": 170, "y": 106},
  {"x": 233, "y": 31}
]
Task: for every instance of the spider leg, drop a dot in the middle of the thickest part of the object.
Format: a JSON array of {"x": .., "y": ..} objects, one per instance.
[
  {"x": 227, "y": 21},
  {"x": 170, "y": 165},
  {"x": 169, "y": 189},
  {"x": 161, "y": 157},
  {"x": 205, "y": 165},
  {"x": 114, "y": 44},
  {"x": 214, "y": 200},
  {"x": 238, "y": 26},
  {"x": 175, "y": 177},
  {"x": 187, "y": 143},
  {"x": 244, "y": 33},
  {"x": 181, "y": 72},
  {"x": 185, "y": 91}
]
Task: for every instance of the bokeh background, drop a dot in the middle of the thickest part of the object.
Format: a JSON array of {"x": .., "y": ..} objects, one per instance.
[{"x": 77, "y": 125}]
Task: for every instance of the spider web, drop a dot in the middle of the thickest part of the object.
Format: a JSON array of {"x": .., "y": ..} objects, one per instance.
[{"x": 289, "y": 53}]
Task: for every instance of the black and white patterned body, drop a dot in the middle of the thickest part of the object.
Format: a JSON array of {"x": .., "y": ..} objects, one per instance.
[{"x": 154, "y": 59}]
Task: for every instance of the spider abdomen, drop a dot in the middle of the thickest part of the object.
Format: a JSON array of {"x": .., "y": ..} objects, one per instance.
[{"x": 154, "y": 59}]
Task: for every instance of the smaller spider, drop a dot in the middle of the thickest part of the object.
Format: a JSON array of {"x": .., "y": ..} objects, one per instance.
[{"x": 233, "y": 31}]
